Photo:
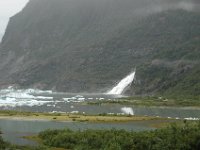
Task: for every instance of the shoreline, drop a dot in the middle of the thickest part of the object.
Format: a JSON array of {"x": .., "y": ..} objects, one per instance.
[
  {"x": 149, "y": 103},
  {"x": 31, "y": 116}
]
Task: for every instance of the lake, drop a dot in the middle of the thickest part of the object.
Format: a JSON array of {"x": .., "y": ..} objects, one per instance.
[
  {"x": 14, "y": 130},
  {"x": 48, "y": 101}
]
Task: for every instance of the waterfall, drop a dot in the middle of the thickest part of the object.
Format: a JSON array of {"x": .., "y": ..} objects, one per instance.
[
  {"x": 127, "y": 110},
  {"x": 123, "y": 84}
]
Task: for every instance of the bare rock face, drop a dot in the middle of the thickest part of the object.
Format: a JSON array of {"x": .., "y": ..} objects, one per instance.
[{"x": 89, "y": 45}]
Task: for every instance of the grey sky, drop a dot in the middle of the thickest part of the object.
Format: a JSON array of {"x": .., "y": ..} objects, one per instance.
[{"x": 9, "y": 8}]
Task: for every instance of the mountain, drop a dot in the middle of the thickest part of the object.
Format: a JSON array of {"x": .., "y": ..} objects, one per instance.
[
  {"x": 89, "y": 45},
  {"x": 1, "y": 35}
]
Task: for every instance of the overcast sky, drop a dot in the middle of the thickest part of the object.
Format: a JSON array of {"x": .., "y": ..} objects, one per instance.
[{"x": 9, "y": 8}]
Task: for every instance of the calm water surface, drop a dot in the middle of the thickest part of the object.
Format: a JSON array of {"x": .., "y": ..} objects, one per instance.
[
  {"x": 66, "y": 102},
  {"x": 14, "y": 130}
]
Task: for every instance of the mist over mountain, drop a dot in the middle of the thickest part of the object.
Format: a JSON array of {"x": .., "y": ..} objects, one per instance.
[
  {"x": 1, "y": 36},
  {"x": 89, "y": 45}
]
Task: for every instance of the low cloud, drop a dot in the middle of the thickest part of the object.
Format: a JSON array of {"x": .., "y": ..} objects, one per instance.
[{"x": 155, "y": 6}]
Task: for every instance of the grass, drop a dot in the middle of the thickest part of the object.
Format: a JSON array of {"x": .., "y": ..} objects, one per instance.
[{"x": 72, "y": 117}]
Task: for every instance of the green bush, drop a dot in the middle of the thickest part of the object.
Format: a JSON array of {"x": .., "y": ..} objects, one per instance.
[{"x": 184, "y": 136}]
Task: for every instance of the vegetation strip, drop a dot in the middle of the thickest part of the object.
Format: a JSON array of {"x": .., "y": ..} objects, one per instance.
[
  {"x": 150, "y": 101},
  {"x": 179, "y": 136},
  {"x": 73, "y": 117}
]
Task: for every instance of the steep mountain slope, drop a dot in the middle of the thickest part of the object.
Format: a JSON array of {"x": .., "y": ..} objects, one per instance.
[
  {"x": 1, "y": 35},
  {"x": 88, "y": 45}
]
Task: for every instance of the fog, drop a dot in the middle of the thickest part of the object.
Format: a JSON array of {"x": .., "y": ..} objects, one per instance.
[
  {"x": 141, "y": 7},
  {"x": 9, "y": 8},
  {"x": 154, "y": 6}
]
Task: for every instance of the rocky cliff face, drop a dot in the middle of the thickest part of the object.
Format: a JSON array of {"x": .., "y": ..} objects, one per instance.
[{"x": 88, "y": 45}]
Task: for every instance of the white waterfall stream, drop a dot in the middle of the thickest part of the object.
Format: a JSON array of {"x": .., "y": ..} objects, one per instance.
[{"x": 123, "y": 84}]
